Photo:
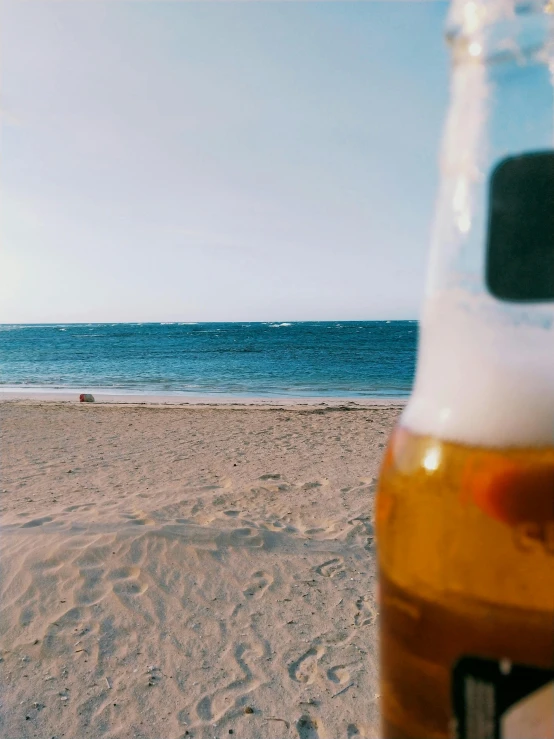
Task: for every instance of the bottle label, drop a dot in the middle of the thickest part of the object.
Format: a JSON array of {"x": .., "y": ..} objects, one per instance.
[
  {"x": 520, "y": 263},
  {"x": 500, "y": 700}
]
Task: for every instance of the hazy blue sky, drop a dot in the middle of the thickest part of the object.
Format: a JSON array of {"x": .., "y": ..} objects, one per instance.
[{"x": 220, "y": 161}]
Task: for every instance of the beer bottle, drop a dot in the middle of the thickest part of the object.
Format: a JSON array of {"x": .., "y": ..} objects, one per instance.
[{"x": 465, "y": 506}]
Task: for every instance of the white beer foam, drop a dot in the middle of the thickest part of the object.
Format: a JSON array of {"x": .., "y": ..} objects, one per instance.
[{"x": 485, "y": 373}]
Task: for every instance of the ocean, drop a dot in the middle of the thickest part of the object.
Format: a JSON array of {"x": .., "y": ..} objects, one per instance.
[{"x": 351, "y": 359}]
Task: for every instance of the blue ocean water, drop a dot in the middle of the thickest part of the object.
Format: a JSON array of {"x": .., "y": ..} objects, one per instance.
[{"x": 332, "y": 359}]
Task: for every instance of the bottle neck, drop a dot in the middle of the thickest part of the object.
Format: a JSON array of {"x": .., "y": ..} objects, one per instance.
[
  {"x": 501, "y": 105},
  {"x": 485, "y": 370},
  {"x": 466, "y": 18}
]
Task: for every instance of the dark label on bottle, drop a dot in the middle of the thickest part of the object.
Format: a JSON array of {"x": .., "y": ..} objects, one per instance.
[
  {"x": 520, "y": 249},
  {"x": 500, "y": 700}
]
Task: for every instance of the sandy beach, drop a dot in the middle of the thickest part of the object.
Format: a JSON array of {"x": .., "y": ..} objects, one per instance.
[{"x": 189, "y": 571}]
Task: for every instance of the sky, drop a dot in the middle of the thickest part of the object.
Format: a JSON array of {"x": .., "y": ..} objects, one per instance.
[{"x": 166, "y": 161}]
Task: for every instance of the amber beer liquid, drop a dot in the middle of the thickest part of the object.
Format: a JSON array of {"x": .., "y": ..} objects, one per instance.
[
  {"x": 465, "y": 507},
  {"x": 467, "y": 568}
]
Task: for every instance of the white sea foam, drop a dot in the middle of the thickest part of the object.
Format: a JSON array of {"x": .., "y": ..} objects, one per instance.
[{"x": 483, "y": 377}]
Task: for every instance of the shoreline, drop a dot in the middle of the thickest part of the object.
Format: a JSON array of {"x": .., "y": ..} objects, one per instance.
[{"x": 160, "y": 399}]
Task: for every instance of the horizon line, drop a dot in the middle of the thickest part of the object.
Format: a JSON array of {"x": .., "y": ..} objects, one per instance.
[{"x": 191, "y": 323}]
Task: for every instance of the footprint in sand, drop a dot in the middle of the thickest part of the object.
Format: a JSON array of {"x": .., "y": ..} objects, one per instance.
[
  {"x": 259, "y": 583},
  {"x": 331, "y": 568},
  {"x": 354, "y": 731},
  {"x": 338, "y": 674},
  {"x": 365, "y": 612},
  {"x": 204, "y": 708},
  {"x": 246, "y": 537},
  {"x": 307, "y": 728},
  {"x": 312, "y": 485},
  {"x": 362, "y": 532},
  {"x": 126, "y": 581},
  {"x": 72, "y": 508},
  {"x": 305, "y": 668},
  {"x": 37, "y": 522}
]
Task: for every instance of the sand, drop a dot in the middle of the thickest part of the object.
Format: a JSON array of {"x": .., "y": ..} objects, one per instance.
[{"x": 199, "y": 571}]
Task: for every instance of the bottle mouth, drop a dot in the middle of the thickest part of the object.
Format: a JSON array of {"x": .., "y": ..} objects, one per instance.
[
  {"x": 469, "y": 17},
  {"x": 499, "y": 30}
]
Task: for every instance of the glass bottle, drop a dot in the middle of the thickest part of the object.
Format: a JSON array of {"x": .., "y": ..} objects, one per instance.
[{"x": 465, "y": 506}]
